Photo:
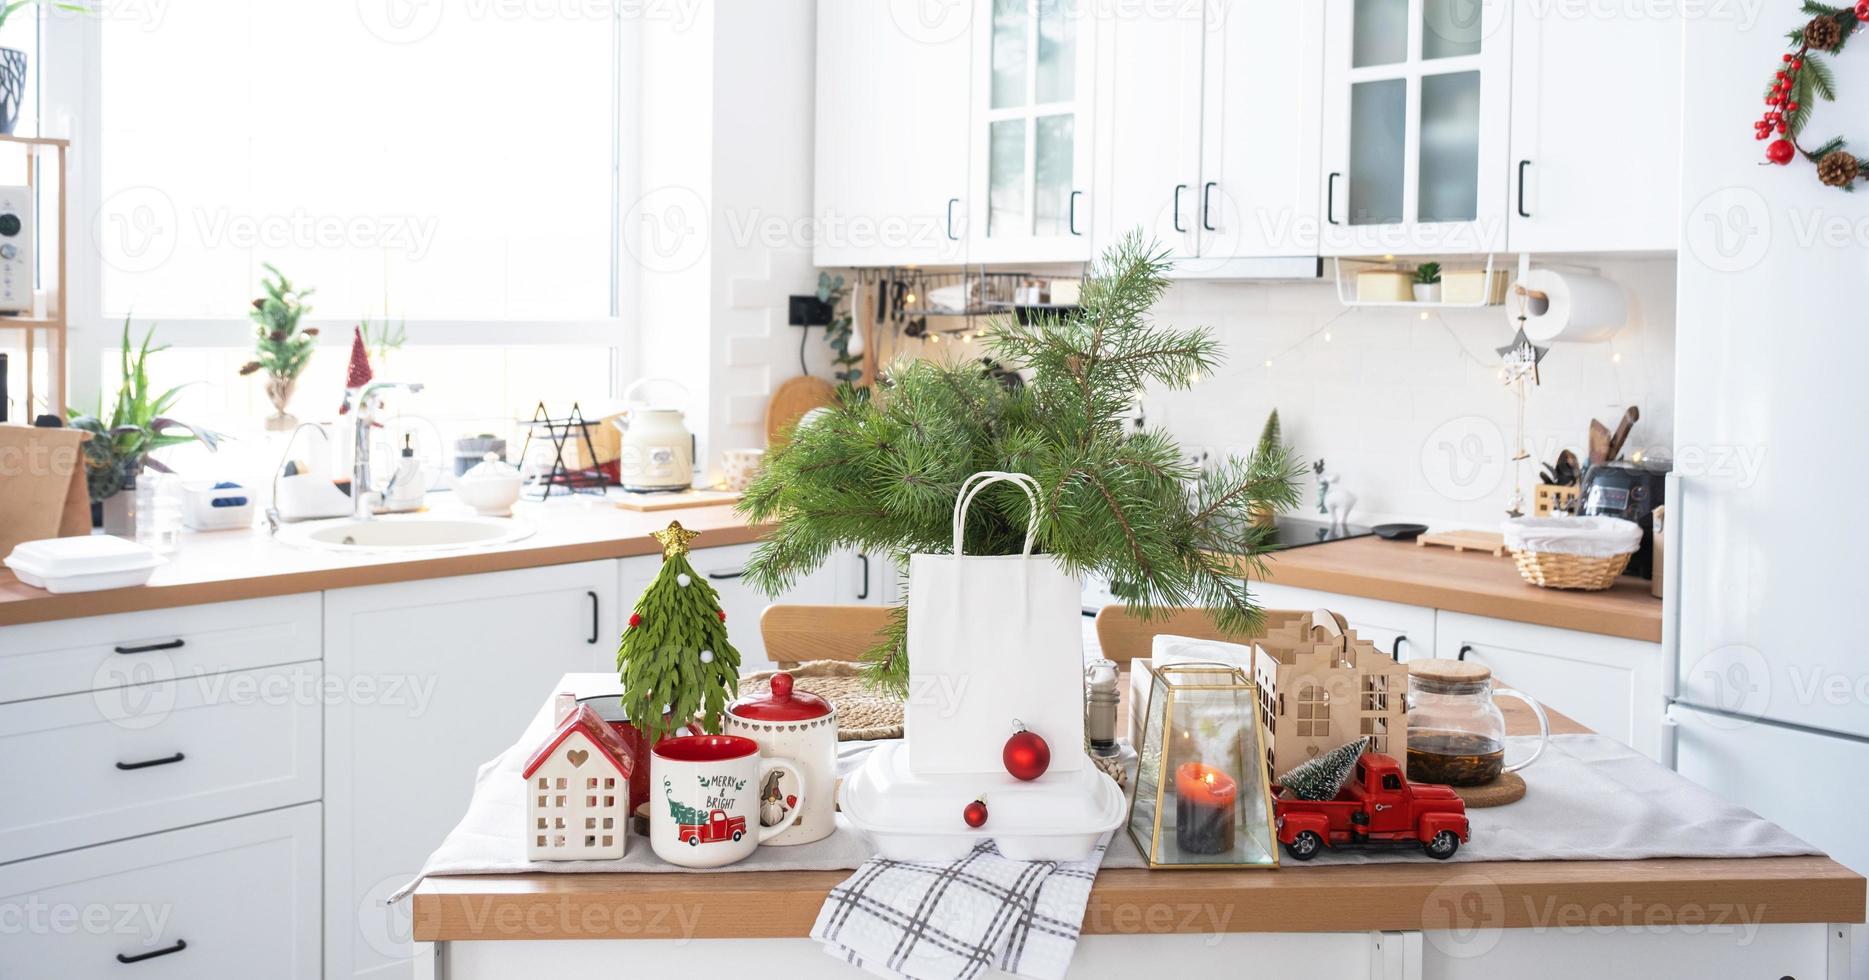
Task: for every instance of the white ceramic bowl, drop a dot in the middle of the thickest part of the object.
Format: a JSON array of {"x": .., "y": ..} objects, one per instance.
[{"x": 491, "y": 487}]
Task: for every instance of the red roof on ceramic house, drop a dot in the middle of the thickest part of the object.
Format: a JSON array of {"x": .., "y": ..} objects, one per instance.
[{"x": 585, "y": 719}]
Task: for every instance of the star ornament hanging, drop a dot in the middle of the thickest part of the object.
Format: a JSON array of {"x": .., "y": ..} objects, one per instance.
[
  {"x": 1521, "y": 357},
  {"x": 674, "y": 539}
]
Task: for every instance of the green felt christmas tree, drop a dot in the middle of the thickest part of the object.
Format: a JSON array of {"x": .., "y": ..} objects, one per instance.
[
  {"x": 675, "y": 658},
  {"x": 1322, "y": 778}
]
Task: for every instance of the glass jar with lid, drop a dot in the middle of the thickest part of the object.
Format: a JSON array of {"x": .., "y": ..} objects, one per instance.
[{"x": 1456, "y": 733}]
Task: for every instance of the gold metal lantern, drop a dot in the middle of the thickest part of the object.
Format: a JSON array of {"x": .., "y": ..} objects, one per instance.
[{"x": 1203, "y": 798}]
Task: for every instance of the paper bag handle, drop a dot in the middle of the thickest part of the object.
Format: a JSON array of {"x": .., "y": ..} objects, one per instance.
[{"x": 971, "y": 488}]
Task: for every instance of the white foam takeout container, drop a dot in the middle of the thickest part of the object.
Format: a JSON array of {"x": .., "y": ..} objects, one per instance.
[
  {"x": 1057, "y": 817},
  {"x": 85, "y": 563}
]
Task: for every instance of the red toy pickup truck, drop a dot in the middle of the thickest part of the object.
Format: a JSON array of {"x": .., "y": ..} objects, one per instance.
[{"x": 1379, "y": 807}]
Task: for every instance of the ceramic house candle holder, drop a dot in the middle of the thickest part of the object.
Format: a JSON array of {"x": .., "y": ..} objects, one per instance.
[
  {"x": 577, "y": 788},
  {"x": 1203, "y": 798}
]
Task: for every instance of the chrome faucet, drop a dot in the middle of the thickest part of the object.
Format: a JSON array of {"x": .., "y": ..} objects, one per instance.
[{"x": 363, "y": 499}]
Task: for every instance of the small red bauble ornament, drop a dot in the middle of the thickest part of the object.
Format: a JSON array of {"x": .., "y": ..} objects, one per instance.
[
  {"x": 723, "y": 615},
  {"x": 635, "y": 619},
  {"x": 1780, "y": 152},
  {"x": 975, "y": 813},
  {"x": 1026, "y": 755}
]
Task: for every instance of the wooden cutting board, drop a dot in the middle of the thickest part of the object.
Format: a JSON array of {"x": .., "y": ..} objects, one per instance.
[
  {"x": 648, "y": 502},
  {"x": 795, "y": 397},
  {"x": 1491, "y": 541}
]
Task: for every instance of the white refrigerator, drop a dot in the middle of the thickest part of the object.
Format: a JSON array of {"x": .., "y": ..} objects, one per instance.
[{"x": 1767, "y": 612}]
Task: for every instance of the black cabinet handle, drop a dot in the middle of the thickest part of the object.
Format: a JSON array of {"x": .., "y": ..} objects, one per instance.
[
  {"x": 1330, "y": 198},
  {"x": 145, "y": 764},
  {"x": 180, "y": 944},
  {"x": 594, "y": 617},
  {"x": 1207, "y": 196},
  {"x": 1522, "y": 165},
  {"x": 950, "y": 218},
  {"x": 723, "y": 576},
  {"x": 1395, "y": 649},
  {"x": 1072, "y": 226},
  {"x": 175, "y": 644},
  {"x": 1465, "y": 648},
  {"x": 1178, "y": 189},
  {"x": 865, "y": 559}
]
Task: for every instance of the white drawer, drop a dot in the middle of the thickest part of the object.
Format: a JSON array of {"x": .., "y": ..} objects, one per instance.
[
  {"x": 233, "y": 900},
  {"x": 87, "y": 768},
  {"x": 69, "y": 656}
]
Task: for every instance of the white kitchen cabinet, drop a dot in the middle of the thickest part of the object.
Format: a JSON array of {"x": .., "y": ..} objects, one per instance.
[
  {"x": 1402, "y": 631},
  {"x": 434, "y": 677},
  {"x": 844, "y": 579},
  {"x": 219, "y": 901},
  {"x": 1572, "y": 184},
  {"x": 1030, "y": 135},
  {"x": 1609, "y": 684},
  {"x": 891, "y": 132},
  {"x": 1208, "y": 130},
  {"x": 1416, "y": 112}
]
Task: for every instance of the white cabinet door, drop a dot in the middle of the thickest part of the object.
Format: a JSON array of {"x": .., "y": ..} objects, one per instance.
[
  {"x": 1416, "y": 112},
  {"x": 1149, "y": 127},
  {"x": 839, "y": 581},
  {"x": 1030, "y": 143},
  {"x": 1572, "y": 187},
  {"x": 1611, "y": 685},
  {"x": 1399, "y": 630},
  {"x": 891, "y": 134},
  {"x": 436, "y": 677},
  {"x": 231, "y": 900},
  {"x": 1258, "y": 196}
]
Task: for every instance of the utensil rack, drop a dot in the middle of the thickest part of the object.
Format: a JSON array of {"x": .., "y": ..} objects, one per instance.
[
  {"x": 899, "y": 299},
  {"x": 561, "y": 432}
]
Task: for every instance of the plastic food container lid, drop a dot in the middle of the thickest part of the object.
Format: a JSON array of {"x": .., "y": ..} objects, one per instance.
[
  {"x": 93, "y": 554},
  {"x": 783, "y": 704}
]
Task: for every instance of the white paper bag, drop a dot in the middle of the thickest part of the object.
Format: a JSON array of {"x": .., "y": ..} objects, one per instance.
[{"x": 993, "y": 642}]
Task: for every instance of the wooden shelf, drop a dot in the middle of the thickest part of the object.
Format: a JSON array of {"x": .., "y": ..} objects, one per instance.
[
  {"x": 31, "y": 322},
  {"x": 48, "y": 141}
]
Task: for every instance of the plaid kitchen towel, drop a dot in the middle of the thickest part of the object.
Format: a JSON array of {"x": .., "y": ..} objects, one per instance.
[{"x": 956, "y": 920}]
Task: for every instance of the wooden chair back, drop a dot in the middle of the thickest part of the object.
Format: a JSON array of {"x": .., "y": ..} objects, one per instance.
[
  {"x": 799, "y": 633},
  {"x": 1125, "y": 637}
]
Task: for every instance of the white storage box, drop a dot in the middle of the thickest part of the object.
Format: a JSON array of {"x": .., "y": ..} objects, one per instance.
[
  {"x": 83, "y": 564},
  {"x": 1057, "y": 817},
  {"x": 216, "y": 506}
]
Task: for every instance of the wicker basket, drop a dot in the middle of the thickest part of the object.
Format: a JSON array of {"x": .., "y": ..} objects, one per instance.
[{"x": 1555, "y": 571}]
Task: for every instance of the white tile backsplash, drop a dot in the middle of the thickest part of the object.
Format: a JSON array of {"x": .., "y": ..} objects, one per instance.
[{"x": 1412, "y": 413}]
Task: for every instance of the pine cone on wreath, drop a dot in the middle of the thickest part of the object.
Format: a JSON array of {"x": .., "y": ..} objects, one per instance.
[
  {"x": 1823, "y": 33},
  {"x": 1838, "y": 168}
]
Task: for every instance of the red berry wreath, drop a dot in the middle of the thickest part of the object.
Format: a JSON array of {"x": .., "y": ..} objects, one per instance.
[{"x": 1803, "y": 77}]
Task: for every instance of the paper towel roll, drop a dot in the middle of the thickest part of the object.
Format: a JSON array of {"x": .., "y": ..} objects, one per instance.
[{"x": 1568, "y": 306}]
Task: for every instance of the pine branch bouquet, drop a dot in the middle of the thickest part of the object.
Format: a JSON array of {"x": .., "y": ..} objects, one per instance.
[
  {"x": 880, "y": 472},
  {"x": 281, "y": 349}
]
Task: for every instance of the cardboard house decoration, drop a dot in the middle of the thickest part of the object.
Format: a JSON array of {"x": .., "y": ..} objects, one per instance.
[
  {"x": 577, "y": 788},
  {"x": 1321, "y": 686}
]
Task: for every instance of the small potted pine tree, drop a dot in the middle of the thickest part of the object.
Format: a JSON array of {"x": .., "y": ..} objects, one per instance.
[
  {"x": 280, "y": 347},
  {"x": 1427, "y": 285}
]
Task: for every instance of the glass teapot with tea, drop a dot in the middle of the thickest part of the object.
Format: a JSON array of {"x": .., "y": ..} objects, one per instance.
[{"x": 1456, "y": 734}]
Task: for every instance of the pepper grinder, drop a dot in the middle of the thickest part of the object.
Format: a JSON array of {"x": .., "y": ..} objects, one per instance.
[{"x": 1100, "y": 695}]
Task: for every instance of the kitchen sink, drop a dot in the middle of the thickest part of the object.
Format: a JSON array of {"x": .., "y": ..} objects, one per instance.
[{"x": 405, "y": 533}]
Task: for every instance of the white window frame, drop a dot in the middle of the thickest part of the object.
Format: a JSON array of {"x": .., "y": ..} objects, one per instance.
[{"x": 71, "y": 106}]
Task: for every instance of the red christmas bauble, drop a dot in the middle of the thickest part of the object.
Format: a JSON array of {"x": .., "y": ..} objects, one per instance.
[
  {"x": 1780, "y": 152},
  {"x": 723, "y": 615},
  {"x": 635, "y": 619},
  {"x": 975, "y": 813},
  {"x": 1027, "y": 755}
]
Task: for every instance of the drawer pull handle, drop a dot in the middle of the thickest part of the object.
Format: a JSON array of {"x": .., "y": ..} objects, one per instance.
[
  {"x": 1465, "y": 648},
  {"x": 721, "y": 576},
  {"x": 145, "y": 764},
  {"x": 865, "y": 594},
  {"x": 175, "y": 644},
  {"x": 180, "y": 944},
  {"x": 595, "y": 614},
  {"x": 1395, "y": 649}
]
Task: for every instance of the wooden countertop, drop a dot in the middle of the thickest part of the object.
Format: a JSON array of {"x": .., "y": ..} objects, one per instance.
[
  {"x": 1467, "y": 582},
  {"x": 217, "y": 566},
  {"x": 1343, "y": 898}
]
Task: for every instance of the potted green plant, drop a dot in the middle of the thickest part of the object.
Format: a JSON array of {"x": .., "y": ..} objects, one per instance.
[
  {"x": 1427, "y": 285},
  {"x": 13, "y": 63},
  {"x": 121, "y": 442},
  {"x": 281, "y": 347}
]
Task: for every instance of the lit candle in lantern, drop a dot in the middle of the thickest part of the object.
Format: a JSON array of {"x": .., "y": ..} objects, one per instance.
[{"x": 1204, "y": 798}]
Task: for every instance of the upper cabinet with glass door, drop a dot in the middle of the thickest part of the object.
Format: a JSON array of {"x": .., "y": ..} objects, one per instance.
[
  {"x": 1033, "y": 82},
  {"x": 1416, "y": 118}
]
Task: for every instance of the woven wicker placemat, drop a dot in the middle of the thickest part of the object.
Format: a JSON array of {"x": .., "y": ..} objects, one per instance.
[{"x": 862, "y": 712}]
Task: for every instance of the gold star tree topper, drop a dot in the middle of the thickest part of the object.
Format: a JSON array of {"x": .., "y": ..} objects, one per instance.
[{"x": 674, "y": 539}]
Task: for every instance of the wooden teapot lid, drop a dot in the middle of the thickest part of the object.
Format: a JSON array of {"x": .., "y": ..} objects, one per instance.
[{"x": 1450, "y": 671}]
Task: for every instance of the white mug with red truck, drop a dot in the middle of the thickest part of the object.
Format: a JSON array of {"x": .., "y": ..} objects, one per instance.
[{"x": 704, "y": 799}]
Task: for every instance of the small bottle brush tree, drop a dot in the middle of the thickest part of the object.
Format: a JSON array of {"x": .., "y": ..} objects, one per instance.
[
  {"x": 880, "y": 472},
  {"x": 1322, "y": 778},
  {"x": 280, "y": 348},
  {"x": 675, "y": 659}
]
